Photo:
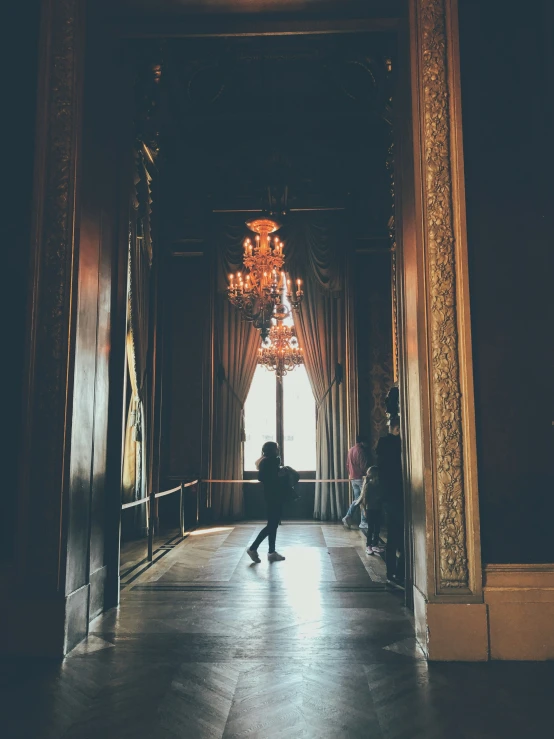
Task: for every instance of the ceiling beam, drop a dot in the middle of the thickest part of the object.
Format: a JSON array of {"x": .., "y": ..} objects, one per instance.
[{"x": 200, "y": 27}]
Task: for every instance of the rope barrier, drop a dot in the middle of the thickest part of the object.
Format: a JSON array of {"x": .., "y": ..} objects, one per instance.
[
  {"x": 134, "y": 503},
  {"x": 141, "y": 501},
  {"x": 174, "y": 490},
  {"x": 167, "y": 492},
  {"x": 257, "y": 482},
  {"x": 158, "y": 495}
]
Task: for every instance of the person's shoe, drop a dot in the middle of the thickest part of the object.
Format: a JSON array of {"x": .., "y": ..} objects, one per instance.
[
  {"x": 275, "y": 557},
  {"x": 369, "y": 550},
  {"x": 363, "y": 526},
  {"x": 395, "y": 583},
  {"x": 347, "y": 521},
  {"x": 254, "y": 556},
  {"x": 378, "y": 550}
]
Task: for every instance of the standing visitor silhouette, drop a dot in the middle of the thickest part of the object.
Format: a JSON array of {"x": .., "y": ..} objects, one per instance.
[
  {"x": 357, "y": 462},
  {"x": 268, "y": 466},
  {"x": 389, "y": 456}
]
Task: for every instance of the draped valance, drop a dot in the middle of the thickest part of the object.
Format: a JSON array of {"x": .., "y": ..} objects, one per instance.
[{"x": 314, "y": 249}]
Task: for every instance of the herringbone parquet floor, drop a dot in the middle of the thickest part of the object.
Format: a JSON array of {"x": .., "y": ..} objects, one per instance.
[{"x": 207, "y": 645}]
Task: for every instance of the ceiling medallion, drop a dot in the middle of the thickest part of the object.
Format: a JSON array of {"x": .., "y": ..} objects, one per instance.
[
  {"x": 280, "y": 352},
  {"x": 258, "y": 293}
]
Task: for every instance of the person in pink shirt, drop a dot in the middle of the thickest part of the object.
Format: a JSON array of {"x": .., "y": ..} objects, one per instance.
[{"x": 357, "y": 462}]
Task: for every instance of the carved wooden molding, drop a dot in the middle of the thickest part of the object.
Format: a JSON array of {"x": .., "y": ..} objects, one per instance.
[
  {"x": 440, "y": 249},
  {"x": 54, "y": 229},
  {"x": 394, "y": 280},
  {"x": 56, "y": 236}
]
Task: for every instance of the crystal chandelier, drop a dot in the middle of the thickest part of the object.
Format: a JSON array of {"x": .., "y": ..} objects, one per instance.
[
  {"x": 280, "y": 352},
  {"x": 257, "y": 293}
]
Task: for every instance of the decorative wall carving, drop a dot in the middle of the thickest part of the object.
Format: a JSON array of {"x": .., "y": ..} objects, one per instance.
[
  {"x": 447, "y": 422},
  {"x": 58, "y": 115},
  {"x": 380, "y": 370},
  {"x": 392, "y": 240},
  {"x": 56, "y": 233}
]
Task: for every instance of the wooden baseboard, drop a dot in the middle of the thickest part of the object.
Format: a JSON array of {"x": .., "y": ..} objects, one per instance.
[
  {"x": 518, "y": 577},
  {"x": 451, "y": 632},
  {"x": 520, "y": 604}
]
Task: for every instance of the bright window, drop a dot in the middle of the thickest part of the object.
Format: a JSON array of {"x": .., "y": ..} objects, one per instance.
[
  {"x": 262, "y": 412},
  {"x": 298, "y": 418},
  {"x": 260, "y": 416}
]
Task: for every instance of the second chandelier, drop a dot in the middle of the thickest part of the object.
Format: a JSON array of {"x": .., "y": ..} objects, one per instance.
[{"x": 280, "y": 353}]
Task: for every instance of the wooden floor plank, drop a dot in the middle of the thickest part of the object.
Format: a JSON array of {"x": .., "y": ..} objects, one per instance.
[{"x": 208, "y": 645}]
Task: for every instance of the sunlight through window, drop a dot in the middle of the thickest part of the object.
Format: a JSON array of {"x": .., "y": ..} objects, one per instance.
[
  {"x": 299, "y": 420},
  {"x": 260, "y": 416},
  {"x": 262, "y": 413}
]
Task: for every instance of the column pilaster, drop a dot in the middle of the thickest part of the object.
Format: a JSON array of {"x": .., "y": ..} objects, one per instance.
[
  {"x": 44, "y": 615},
  {"x": 450, "y": 605}
]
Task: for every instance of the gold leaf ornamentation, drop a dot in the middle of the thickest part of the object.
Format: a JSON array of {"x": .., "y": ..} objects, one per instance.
[
  {"x": 442, "y": 295},
  {"x": 54, "y": 269},
  {"x": 392, "y": 241},
  {"x": 55, "y": 239}
]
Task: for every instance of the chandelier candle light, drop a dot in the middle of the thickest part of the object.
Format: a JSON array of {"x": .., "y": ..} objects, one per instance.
[{"x": 257, "y": 293}]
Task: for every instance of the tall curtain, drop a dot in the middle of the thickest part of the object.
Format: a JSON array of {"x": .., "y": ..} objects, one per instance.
[
  {"x": 237, "y": 344},
  {"x": 138, "y": 292},
  {"x": 315, "y": 252}
]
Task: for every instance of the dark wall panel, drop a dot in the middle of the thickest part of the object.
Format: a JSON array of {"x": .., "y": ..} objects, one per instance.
[
  {"x": 94, "y": 330},
  {"x": 506, "y": 59},
  {"x": 186, "y": 301},
  {"x": 83, "y": 406},
  {"x": 20, "y": 92},
  {"x": 373, "y": 329}
]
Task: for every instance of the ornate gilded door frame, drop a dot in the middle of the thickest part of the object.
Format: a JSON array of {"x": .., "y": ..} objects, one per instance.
[{"x": 437, "y": 382}]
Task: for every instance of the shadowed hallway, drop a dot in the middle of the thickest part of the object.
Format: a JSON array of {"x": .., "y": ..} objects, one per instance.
[
  {"x": 388, "y": 142},
  {"x": 208, "y": 645}
]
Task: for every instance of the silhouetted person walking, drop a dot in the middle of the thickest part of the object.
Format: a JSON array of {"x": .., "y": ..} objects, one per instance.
[{"x": 268, "y": 473}]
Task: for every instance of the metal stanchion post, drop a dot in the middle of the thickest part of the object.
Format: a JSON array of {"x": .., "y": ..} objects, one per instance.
[
  {"x": 182, "y": 511},
  {"x": 151, "y": 505},
  {"x": 156, "y": 516},
  {"x": 198, "y": 491}
]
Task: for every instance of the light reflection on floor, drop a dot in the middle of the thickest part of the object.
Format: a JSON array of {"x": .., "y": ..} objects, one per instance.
[
  {"x": 212, "y": 530},
  {"x": 305, "y": 569}
]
